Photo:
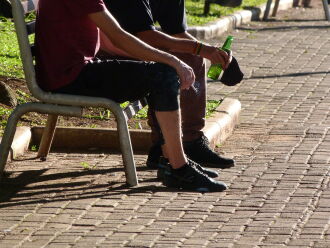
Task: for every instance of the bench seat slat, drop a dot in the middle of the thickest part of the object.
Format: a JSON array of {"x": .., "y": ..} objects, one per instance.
[
  {"x": 29, "y": 5},
  {"x": 33, "y": 50},
  {"x": 30, "y": 27},
  {"x": 134, "y": 107}
]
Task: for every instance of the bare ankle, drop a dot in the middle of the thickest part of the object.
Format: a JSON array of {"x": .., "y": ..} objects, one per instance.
[{"x": 178, "y": 163}]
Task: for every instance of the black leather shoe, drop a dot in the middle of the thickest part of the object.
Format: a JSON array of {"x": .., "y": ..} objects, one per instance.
[
  {"x": 189, "y": 177},
  {"x": 199, "y": 151},
  {"x": 164, "y": 165},
  {"x": 208, "y": 172}
]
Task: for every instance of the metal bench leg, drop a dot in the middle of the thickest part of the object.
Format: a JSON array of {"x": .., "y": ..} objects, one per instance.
[
  {"x": 326, "y": 9},
  {"x": 126, "y": 149},
  {"x": 277, "y": 2},
  {"x": 47, "y": 136},
  {"x": 206, "y": 7},
  {"x": 295, "y": 3},
  {"x": 267, "y": 10},
  {"x": 8, "y": 137}
]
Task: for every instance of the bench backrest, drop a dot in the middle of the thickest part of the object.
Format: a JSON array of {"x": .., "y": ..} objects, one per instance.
[
  {"x": 29, "y": 5},
  {"x": 23, "y": 30}
]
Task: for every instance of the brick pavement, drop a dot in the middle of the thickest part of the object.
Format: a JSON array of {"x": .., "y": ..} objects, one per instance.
[{"x": 278, "y": 193}]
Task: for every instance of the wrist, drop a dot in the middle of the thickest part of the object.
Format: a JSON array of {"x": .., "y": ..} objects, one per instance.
[
  {"x": 206, "y": 51},
  {"x": 174, "y": 62},
  {"x": 198, "y": 48}
]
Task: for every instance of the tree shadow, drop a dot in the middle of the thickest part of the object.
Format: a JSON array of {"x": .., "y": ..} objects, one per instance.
[
  {"x": 280, "y": 28},
  {"x": 297, "y": 74},
  {"x": 20, "y": 191},
  {"x": 256, "y": 16}
]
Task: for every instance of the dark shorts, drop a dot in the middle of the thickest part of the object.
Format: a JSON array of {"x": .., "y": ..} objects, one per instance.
[
  {"x": 140, "y": 15},
  {"x": 125, "y": 80}
]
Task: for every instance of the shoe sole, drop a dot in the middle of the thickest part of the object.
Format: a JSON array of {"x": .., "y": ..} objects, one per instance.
[
  {"x": 161, "y": 174},
  {"x": 174, "y": 184}
]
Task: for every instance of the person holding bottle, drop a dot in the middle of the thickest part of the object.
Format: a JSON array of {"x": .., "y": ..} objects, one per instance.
[
  {"x": 138, "y": 17},
  {"x": 66, "y": 63}
]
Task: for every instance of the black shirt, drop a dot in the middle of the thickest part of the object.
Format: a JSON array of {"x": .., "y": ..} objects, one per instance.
[{"x": 140, "y": 15}]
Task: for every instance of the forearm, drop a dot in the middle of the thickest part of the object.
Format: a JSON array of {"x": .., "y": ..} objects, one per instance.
[
  {"x": 182, "y": 43},
  {"x": 139, "y": 49},
  {"x": 185, "y": 35},
  {"x": 129, "y": 43},
  {"x": 143, "y": 51}
]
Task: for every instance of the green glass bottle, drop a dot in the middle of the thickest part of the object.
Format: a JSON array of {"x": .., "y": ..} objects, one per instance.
[{"x": 216, "y": 69}]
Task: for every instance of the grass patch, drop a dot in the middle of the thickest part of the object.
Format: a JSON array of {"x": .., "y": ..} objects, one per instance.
[
  {"x": 211, "y": 106},
  {"x": 87, "y": 166},
  {"x": 4, "y": 114},
  {"x": 10, "y": 63},
  {"x": 195, "y": 9}
]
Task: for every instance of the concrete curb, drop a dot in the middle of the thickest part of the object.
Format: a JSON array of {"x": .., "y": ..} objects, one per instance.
[
  {"x": 71, "y": 138},
  {"x": 217, "y": 129},
  {"x": 227, "y": 23},
  {"x": 20, "y": 143}
]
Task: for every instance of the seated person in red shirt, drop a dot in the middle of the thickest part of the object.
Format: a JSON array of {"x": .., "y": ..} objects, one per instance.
[{"x": 67, "y": 39}]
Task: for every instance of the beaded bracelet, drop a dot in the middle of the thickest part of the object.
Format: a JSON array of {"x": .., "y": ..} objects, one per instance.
[
  {"x": 196, "y": 46},
  {"x": 199, "y": 48}
]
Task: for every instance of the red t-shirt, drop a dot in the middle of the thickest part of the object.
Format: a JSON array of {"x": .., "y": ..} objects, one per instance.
[{"x": 65, "y": 40}]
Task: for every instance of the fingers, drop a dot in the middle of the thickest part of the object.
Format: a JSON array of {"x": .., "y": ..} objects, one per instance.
[
  {"x": 230, "y": 55},
  {"x": 219, "y": 56},
  {"x": 187, "y": 80},
  {"x": 187, "y": 76},
  {"x": 226, "y": 57}
]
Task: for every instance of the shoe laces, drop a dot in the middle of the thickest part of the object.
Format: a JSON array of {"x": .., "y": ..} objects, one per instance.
[
  {"x": 196, "y": 172},
  {"x": 204, "y": 145},
  {"x": 205, "y": 140},
  {"x": 194, "y": 164}
]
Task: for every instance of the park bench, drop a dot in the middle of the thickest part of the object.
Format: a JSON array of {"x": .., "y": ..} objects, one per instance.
[
  {"x": 59, "y": 104},
  {"x": 277, "y": 2}
]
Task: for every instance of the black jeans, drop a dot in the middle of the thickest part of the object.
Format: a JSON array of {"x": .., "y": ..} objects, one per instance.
[{"x": 126, "y": 80}]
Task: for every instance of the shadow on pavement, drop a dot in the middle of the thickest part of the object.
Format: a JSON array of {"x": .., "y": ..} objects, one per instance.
[
  {"x": 295, "y": 20},
  {"x": 20, "y": 190},
  {"x": 283, "y": 28},
  {"x": 298, "y": 74}
]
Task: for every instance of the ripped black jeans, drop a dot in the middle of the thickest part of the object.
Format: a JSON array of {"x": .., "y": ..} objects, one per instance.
[{"x": 126, "y": 80}]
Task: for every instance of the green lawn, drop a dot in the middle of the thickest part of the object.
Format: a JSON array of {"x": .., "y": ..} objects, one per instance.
[
  {"x": 195, "y": 9},
  {"x": 10, "y": 64}
]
